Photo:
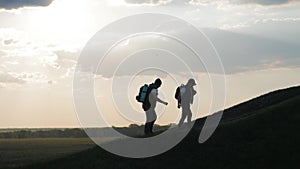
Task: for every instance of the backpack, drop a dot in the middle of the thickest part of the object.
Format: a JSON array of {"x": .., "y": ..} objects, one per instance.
[
  {"x": 141, "y": 97},
  {"x": 179, "y": 91}
]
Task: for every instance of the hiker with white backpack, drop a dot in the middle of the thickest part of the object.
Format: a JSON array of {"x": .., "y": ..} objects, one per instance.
[{"x": 185, "y": 97}]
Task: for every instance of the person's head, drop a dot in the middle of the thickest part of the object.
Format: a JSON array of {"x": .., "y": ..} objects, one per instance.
[
  {"x": 191, "y": 82},
  {"x": 157, "y": 83}
]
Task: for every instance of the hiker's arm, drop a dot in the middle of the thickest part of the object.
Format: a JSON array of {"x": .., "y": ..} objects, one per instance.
[
  {"x": 158, "y": 99},
  {"x": 163, "y": 102}
]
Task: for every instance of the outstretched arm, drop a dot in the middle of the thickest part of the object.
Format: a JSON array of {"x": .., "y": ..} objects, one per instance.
[
  {"x": 163, "y": 102},
  {"x": 158, "y": 99}
]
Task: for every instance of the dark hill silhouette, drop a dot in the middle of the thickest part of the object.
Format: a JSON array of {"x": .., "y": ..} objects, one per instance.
[
  {"x": 247, "y": 108},
  {"x": 260, "y": 133}
]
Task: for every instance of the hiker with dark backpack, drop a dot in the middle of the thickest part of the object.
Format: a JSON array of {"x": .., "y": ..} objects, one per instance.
[
  {"x": 185, "y": 96},
  {"x": 148, "y": 96}
]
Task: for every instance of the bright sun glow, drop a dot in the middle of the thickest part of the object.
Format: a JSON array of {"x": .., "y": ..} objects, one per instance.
[{"x": 63, "y": 18}]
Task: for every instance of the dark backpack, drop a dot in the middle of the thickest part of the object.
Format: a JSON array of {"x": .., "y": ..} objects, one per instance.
[
  {"x": 141, "y": 97},
  {"x": 178, "y": 95}
]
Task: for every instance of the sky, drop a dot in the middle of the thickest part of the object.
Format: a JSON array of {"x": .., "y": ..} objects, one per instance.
[{"x": 41, "y": 40}]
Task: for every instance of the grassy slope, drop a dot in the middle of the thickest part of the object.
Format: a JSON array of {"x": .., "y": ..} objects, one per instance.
[
  {"x": 269, "y": 138},
  {"x": 16, "y": 152}
]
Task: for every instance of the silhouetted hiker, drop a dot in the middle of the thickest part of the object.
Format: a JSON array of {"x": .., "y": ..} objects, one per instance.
[
  {"x": 186, "y": 98},
  {"x": 148, "y": 96}
]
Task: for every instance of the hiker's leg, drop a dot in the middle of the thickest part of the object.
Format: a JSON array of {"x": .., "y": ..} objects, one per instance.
[
  {"x": 189, "y": 115},
  {"x": 183, "y": 116},
  {"x": 147, "y": 124},
  {"x": 151, "y": 126},
  {"x": 151, "y": 117},
  {"x": 146, "y": 130},
  {"x": 154, "y": 119}
]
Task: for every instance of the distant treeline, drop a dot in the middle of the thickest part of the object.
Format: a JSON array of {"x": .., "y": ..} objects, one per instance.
[{"x": 53, "y": 133}]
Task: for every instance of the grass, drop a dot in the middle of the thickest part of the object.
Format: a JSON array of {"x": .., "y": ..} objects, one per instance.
[{"x": 18, "y": 152}]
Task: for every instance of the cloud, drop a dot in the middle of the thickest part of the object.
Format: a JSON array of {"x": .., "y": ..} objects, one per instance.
[
  {"x": 282, "y": 29},
  {"x": 2, "y": 53},
  {"x": 9, "y": 41},
  {"x": 195, "y": 2},
  {"x": 239, "y": 52},
  {"x": 242, "y": 52},
  {"x": 241, "y": 2},
  {"x": 67, "y": 60},
  {"x": 15, "y": 4},
  {"x": 31, "y": 76},
  {"x": 35, "y": 63},
  {"x": 151, "y": 2},
  {"x": 7, "y": 78},
  {"x": 64, "y": 55},
  {"x": 262, "y": 2}
]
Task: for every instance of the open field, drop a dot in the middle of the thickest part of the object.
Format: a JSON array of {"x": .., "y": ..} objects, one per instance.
[{"x": 17, "y": 152}]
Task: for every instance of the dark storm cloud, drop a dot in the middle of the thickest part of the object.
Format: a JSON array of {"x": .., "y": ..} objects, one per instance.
[{"x": 15, "y": 4}]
